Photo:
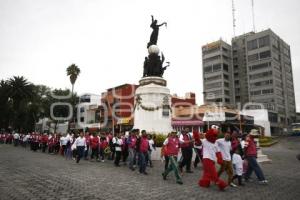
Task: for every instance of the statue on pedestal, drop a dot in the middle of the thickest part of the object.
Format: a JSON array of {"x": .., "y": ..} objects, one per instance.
[
  {"x": 153, "y": 64},
  {"x": 154, "y": 34}
]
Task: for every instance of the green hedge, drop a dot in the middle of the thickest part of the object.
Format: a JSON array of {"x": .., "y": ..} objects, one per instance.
[{"x": 159, "y": 139}]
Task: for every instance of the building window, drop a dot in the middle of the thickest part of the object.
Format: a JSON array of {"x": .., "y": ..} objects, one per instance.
[
  {"x": 255, "y": 93},
  {"x": 81, "y": 119},
  {"x": 216, "y": 67},
  {"x": 211, "y": 59},
  {"x": 213, "y": 78},
  {"x": 226, "y": 76},
  {"x": 208, "y": 69},
  {"x": 260, "y": 66},
  {"x": 82, "y": 109},
  {"x": 85, "y": 99},
  {"x": 253, "y": 57},
  {"x": 264, "y": 41},
  {"x": 268, "y": 91},
  {"x": 213, "y": 85},
  {"x": 252, "y": 45},
  {"x": 265, "y": 54},
  {"x": 261, "y": 83},
  {"x": 225, "y": 67},
  {"x": 260, "y": 75}
]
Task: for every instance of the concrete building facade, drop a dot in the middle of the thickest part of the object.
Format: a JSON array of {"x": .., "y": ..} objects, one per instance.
[
  {"x": 262, "y": 74},
  {"x": 217, "y": 73}
]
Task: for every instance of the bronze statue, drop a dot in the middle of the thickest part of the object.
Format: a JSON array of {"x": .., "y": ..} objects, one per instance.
[
  {"x": 154, "y": 34},
  {"x": 153, "y": 64}
]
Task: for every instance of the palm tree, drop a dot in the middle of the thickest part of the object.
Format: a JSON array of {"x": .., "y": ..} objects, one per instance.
[
  {"x": 73, "y": 71},
  {"x": 20, "y": 93},
  {"x": 20, "y": 90}
]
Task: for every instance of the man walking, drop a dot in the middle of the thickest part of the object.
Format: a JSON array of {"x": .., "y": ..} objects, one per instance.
[{"x": 187, "y": 144}]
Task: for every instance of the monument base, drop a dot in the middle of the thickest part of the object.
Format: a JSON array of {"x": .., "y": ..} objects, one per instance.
[{"x": 152, "y": 111}]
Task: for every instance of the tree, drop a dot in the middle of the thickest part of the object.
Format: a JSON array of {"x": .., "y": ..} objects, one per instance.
[
  {"x": 73, "y": 71},
  {"x": 20, "y": 93},
  {"x": 5, "y": 105}
]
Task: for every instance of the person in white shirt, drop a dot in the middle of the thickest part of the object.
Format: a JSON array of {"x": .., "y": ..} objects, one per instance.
[
  {"x": 237, "y": 162},
  {"x": 117, "y": 142},
  {"x": 151, "y": 149},
  {"x": 80, "y": 146},
  {"x": 211, "y": 155},
  {"x": 224, "y": 146},
  {"x": 16, "y": 139}
]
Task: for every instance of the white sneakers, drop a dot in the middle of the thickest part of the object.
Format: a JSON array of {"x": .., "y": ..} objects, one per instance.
[{"x": 233, "y": 185}]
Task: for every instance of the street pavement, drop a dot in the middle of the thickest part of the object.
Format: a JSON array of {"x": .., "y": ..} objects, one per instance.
[{"x": 34, "y": 175}]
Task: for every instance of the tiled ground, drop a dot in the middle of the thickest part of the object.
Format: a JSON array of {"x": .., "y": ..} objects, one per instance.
[{"x": 34, "y": 175}]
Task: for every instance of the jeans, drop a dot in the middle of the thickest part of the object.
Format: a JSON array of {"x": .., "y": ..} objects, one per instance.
[
  {"x": 94, "y": 153},
  {"x": 142, "y": 161},
  {"x": 118, "y": 158},
  {"x": 101, "y": 153},
  {"x": 253, "y": 166},
  {"x": 44, "y": 146},
  {"x": 131, "y": 157},
  {"x": 86, "y": 152},
  {"x": 187, "y": 154},
  {"x": 173, "y": 166},
  {"x": 167, "y": 158},
  {"x": 149, "y": 158},
  {"x": 80, "y": 153}
]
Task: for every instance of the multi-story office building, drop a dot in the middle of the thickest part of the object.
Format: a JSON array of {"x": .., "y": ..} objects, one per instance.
[
  {"x": 264, "y": 62},
  {"x": 261, "y": 73},
  {"x": 217, "y": 73}
]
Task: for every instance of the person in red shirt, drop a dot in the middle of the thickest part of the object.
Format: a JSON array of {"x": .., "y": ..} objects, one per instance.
[
  {"x": 143, "y": 147},
  {"x": 44, "y": 140},
  {"x": 251, "y": 155},
  {"x": 171, "y": 149},
  {"x": 103, "y": 145},
  {"x": 51, "y": 143},
  {"x": 94, "y": 144},
  {"x": 131, "y": 143}
]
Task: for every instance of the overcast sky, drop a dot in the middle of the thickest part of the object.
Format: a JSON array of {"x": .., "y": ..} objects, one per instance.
[{"x": 107, "y": 39}]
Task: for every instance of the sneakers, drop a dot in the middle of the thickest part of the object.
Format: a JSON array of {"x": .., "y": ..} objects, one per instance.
[
  {"x": 179, "y": 182},
  {"x": 164, "y": 176},
  {"x": 233, "y": 185},
  {"x": 132, "y": 169},
  {"x": 264, "y": 182}
]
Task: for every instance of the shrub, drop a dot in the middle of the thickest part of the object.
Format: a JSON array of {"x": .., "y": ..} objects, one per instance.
[{"x": 159, "y": 139}]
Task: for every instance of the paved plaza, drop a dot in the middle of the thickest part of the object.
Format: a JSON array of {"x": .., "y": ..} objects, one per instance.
[{"x": 28, "y": 175}]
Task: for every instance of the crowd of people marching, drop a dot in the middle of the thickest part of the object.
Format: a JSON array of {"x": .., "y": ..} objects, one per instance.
[{"x": 236, "y": 154}]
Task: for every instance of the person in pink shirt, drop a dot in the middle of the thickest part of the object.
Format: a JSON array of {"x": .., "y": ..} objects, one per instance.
[{"x": 143, "y": 147}]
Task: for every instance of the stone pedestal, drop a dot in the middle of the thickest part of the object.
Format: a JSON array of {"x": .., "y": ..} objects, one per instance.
[{"x": 153, "y": 106}]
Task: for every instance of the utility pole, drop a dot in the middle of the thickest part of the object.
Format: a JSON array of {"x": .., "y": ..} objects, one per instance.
[
  {"x": 253, "y": 16},
  {"x": 233, "y": 18}
]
